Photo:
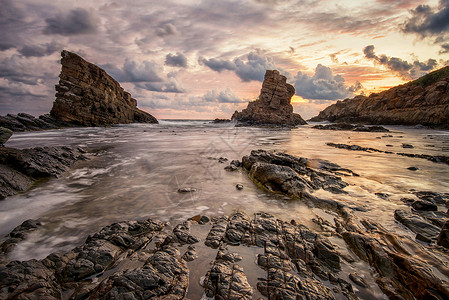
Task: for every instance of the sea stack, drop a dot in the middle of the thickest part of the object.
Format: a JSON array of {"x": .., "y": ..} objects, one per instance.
[
  {"x": 87, "y": 96},
  {"x": 273, "y": 106},
  {"x": 423, "y": 101}
]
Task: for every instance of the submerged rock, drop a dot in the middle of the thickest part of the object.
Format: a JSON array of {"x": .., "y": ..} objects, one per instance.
[{"x": 273, "y": 106}]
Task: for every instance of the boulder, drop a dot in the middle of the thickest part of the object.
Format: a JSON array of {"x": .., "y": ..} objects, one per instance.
[
  {"x": 87, "y": 96},
  {"x": 273, "y": 106}
]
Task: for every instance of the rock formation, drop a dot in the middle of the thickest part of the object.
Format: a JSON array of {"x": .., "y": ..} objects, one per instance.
[
  {"x": 5, "y": 134},
  {"x": 273, "y": 106},
  {"x": 27, "y": 122},
  {"x": 423, "y": 101},
  {"x": 20, "y": 168},
  {"x": 86, "y": 95}
]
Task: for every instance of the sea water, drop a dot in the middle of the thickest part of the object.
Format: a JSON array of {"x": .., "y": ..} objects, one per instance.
[{"x": 134, "y": 172}]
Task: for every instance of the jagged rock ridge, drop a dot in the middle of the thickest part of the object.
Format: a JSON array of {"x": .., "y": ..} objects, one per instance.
[
  {"x": 423, "y": 101},
  {"x": 86, "y": 95},
  {"x": 273, "y": 106}
]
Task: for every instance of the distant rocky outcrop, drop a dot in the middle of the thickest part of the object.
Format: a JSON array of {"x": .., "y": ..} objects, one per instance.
[
  {"x": 423, "y": 101},
  {"x": 85, "y": 96},
  {"x": 273, "y": 106}
]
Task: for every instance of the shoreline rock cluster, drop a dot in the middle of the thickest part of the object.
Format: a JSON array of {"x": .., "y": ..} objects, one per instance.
[
  {"x": 273, "y": 107},
  {"x": 434, "y": 158},
  {"x": 424, "y": 101},
  {"x": 350, "y": 127},
  {"x": 85, "y": 96},
  {"x": 20, "y": 168}
]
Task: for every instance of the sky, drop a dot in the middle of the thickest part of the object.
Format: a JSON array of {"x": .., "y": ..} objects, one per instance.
[{"x": 204, "y": 59}]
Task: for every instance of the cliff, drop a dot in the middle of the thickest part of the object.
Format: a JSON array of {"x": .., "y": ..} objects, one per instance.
[
  {"x": 273, "y": 106},
  {"x": 423, "y": 101},
  {"x": 86, "y": 95}
]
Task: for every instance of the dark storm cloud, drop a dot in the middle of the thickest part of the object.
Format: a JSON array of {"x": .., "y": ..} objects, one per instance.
[
  {"x": 176, "y": 60},
  {"x": 429, "y": 22},
  {"x": 249, "y": 67},
  {"x": 77, "y": 21},
  {"x": 40, "y": 50},
  {"x": 403, "y": 68},
  {"x": 426, "y": 20},
  {"x": 323, "y": 85},
  {"x": 226, "y": 96}
]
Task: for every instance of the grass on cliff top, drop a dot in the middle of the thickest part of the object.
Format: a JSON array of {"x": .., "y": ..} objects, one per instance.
[{"x": 431, "y": 78}]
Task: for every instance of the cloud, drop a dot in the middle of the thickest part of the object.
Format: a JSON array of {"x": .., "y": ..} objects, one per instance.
[
  {"x": 403, "y": 68},
  {"x": 166, "y": 30},
  {"x": 176, "y": 60},
  {"x": 323, "y": 85},
  {"x": 147, "y": 75},
  {"x": 429, "y": 22},
  {"x": 39, "y": 51},
  {"x": 169, "y": 86},
  {"x": 77, "y": 21},
  {"x": 444, "y": 48},
  {"x": 248, "y": 67},
  {"x": 426, "y": 20},
  {"x": 226, "y": 96},
  {"x": 132, "y": 71},
  {"x": 217, "y": 65}
]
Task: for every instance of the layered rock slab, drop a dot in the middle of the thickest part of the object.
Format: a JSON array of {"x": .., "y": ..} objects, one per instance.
[
  {"x": 423, "y": 101},
  {"x": 86, "y": 95},
  {"x": 273, "y": 106}
]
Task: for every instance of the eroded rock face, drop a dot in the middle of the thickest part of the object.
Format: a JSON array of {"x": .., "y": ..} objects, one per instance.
[
  {"x": 424, "y": 101},
  {"x": 273, "y": 106},
  {"x": 86, "y": 95}
]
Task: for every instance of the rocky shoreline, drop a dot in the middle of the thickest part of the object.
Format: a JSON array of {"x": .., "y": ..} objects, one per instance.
[
  {"x": 21, "y": 168},
  {"x": 250, "y": 256}
]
